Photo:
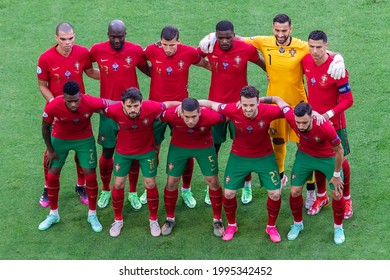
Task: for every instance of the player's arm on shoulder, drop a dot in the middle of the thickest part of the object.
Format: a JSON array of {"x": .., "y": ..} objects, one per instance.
[
  {"x": 145, "y": 69},
  {"x": 274, "y": 100},
  {"x": 205, "y": 63},
  {"x": 209, "y": 104},
  {"x": 337, "y": 68},
  {"x": 169, "y": 104},
  {"x": 261, "y": 63}
]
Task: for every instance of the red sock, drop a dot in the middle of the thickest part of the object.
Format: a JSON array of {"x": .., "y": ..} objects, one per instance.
[
  {"x": 152, "y": 197},
  {"x": 170, "y": 199},
  {"x": 45, "y": 168},
  {"x": 230, "y": 207},
  {"x": 321, "y": 182},
  {"x": 92, "y": 190},
  {"x": 216, "y": 203},
  {"x": 53, "y": 189},
  {"x": 187, "y": 174},
  {"x": 273, "y": 208},
  {"x": 338, "y": 207},
  {"x": 105, "y": 166},
  {"x": 248, "y": 177},
  {"x": 117, "y": 197},
  {"x": 296, "y": 204},
  {"x": 80, "y": 172},
  {"x": 133, "y": 176},
  {"x": 347, "y": 178}
]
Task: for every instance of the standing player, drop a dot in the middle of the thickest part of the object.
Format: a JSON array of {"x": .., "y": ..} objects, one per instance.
[
  {"x": 319, "y": 149},
  {"x": 283, "y": 55},
  {"x": 117, "y": 60},
  {"x": 63, "y": 62},
  {"x": 229, "y": 61},
  {"x": 135, "y": 141},
  {"x": 72, "y": 130},
  {"x": 330, "y": 98},
  {"x": 170, "y": 63},
  {"x": 251, "y": 123},
  {"x": 192, "y": 138}
]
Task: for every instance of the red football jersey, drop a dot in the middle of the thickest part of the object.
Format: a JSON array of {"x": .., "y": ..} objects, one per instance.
[
  {"x": 117, "y": 69},
  {"x": 169, "y": 74},
  {"x": 229, "y": 70},
  {"x": 198, "y": 136},
  {"x": 70, "y": 125},
  {"x": 135, "y": 136},
  {"x": 251, "y": 138},
  {"x": 57, "y": 69},
  {"x": 326, "y": 93}
]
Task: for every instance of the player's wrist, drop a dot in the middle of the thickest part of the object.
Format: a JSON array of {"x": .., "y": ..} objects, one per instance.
[
  {"x": 330, "y": 113},
  {"x": 336, "y": 174}
]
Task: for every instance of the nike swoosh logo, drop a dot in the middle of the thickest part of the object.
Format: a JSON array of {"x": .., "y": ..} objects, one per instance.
[
  {"x": 237, "y": 122},
  {"x": 157, "y": 61},
  {"x": 103, "y": 60},
  {"x": 54, "y": 69},
  {"x": 214, "y": 56}
]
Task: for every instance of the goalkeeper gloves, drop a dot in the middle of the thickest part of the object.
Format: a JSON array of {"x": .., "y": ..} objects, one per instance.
[
  {"x": 207, "y": 43},
  {"x": 337, "y": 68}
]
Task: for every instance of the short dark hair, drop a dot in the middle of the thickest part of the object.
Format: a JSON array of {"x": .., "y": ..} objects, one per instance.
[
  {"x": 133, "y": 93},
  {"x": 64, "y": 27},
  {"x": 249, "y": 92},
  {"x": 224, "y": 25},
  {"x": 318, "y": 35},
  {"x": 169, "y": 33},
  {"x": 302, "y": 109},
  {"x": 190, "y": 104},
  {"x": 71, "y": 88},
  {"x": 282, "y": 18}
]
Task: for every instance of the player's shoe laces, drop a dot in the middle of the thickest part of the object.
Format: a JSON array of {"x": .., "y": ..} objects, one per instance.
[
  {"x": 283, "y": 182},
  {"x": 50, "y": 219},
  {"x": 81, "y": 191},
  {"x": 273, "y": 234},
  {"x": 95, "y": 224},
  {"x": 318, "y": 204},
  {"x": 188, "y": 198},
  {"x": 168, "y": 226},
  {"x": 229, "y": 233},
  {"x": 207, "y": 197},
  {"x": 134, "y": 201},
  {"x": 218, "y": 228},
  {"x": 116, "y": 227},
  {"x": 294, "y": 231},
  {"x": 310, "y": 199},
  {"x": 339, "y": 236},
  {"x": 44, "y": 199},
  {"x": 104, "y": 199},
  {"x": 348, "y": 212},
  {"x": 246, "y": 195},
  {"x": 155, "y": 229},
  {"x": 143, "y": 198}
]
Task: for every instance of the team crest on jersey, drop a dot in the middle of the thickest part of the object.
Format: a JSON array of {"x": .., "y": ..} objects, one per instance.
[
  {"x": 170, "y": 166},
  {"x": 261, "y": 124},
  {"x": 86, "y": 115},
  {"x": 76, "y": 120},
  {"x": 282, "y": 50},
  {"x": 324, "y": 79},
  {"x": 316, "y": 138},
  {"x": 225, "y": 65},
  {"x": 249, "y": 129},
  {"x": 190, "y": 131},
  {"x": 227, "y": 179},
  {"x": 313, "y": 81},
  {"x": 44, "y": 115},
  {"x": 181, "y": 64},
  {"x": 146, "y": 121},
  {"x": 134, "y": 126},
  {"x": 77, "y": 65},
  {"x": 39, "y": 70},
  {"x": 237, "y": 59},
  {"x": 68, "y": 74},
  {"x": 293, "y": 176},
  {"x": 169, "y": 70},
  {"x": 128, "y": 60},
  {"x": 102, "y": 138},
  {"x": 117, "y": 167},
  {"x": 292, "y": 52},
  {"x": 202, "y": 128}
]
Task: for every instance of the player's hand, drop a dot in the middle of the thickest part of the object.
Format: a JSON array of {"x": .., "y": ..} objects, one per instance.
[
  {"x": 207, "y": 43},
  {"x": 338, "y": 186},
  {"x": 178, "y": 111},
  {"x": 337, "y": 68},
  {"x": 238, "y": 104},
  {"x": 320, "y": 119},
  {"x": 50, "y": 156}
]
